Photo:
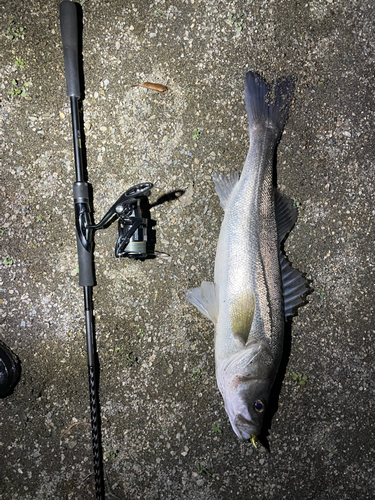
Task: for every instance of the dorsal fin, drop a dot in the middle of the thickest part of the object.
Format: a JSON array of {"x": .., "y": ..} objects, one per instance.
[
  {"x": 286, "y": 214},
  {"x": 294, "y": 286},
  {"x": 224, "y": 185},
  {"x": 205, "y": 299}
]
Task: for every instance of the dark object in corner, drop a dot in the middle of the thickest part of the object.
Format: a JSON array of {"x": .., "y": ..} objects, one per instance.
[{"x": 9, "y": 370}]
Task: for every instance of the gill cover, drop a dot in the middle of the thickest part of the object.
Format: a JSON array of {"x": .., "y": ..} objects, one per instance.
[{"x": 245, "y": 381}]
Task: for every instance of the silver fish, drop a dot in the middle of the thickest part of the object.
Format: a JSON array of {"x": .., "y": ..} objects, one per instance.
[{"x": 255, "y": 288}]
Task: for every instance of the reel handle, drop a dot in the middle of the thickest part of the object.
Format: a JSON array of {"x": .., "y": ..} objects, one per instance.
[{"x": 69, "y": 35}]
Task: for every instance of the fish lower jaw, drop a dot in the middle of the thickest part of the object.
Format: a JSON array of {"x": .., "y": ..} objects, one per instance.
[
  {"x": 247, "y": 434},
  {"x": 244, "y": 428}
]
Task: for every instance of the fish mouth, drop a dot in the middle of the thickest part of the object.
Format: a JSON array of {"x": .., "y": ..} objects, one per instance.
[{"x": 244, "y": 428}]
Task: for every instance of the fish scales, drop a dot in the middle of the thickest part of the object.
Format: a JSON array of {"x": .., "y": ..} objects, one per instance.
[{"x": 255, "y": 289}]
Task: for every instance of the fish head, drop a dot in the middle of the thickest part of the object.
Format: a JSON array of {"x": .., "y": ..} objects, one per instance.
[{"x": 245, "y": 382}]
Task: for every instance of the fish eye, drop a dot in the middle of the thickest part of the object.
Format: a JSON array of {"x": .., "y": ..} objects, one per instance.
[{"x": 259, "y": 405}]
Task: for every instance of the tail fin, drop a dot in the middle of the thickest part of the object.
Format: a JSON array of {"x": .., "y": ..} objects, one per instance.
[{"x": 267, "y": 107}]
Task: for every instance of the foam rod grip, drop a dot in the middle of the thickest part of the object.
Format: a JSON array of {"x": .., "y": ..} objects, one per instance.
[
  {"x": 85, "y": 264},
  {"x": 69, "y": 35}
]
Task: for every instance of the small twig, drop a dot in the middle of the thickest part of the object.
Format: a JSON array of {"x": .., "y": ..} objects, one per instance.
[
  {"x": 88, "y": 475},
  {"x": 65, "y": 431}
]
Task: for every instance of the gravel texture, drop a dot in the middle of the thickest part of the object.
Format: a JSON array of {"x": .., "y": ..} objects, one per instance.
[{"x": 165, "y": 431}]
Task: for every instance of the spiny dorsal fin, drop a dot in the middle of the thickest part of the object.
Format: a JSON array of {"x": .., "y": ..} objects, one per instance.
[
  {"x": 286, "y": 214},
  {"x": 294, "y": 286},
  {"x": 205, "y": 299},
  {"x": 242, "y": 315},
  {"x": 224, "y": 185}
]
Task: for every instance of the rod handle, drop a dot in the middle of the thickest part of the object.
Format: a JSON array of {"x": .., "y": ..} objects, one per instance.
[
  {"x": 69, "y": 35},
  {"x": 85, "y": 264}
]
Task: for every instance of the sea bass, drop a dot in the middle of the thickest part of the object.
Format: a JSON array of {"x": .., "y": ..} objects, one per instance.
[{"x": 255, "y": 288}]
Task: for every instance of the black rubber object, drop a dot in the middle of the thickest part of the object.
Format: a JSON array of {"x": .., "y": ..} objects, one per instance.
[
  {"x": 69, "y": 35},
  {"x": 9, "y": 370}
]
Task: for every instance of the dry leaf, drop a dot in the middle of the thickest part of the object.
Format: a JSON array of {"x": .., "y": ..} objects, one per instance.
[{"x": 154, "y": 86}]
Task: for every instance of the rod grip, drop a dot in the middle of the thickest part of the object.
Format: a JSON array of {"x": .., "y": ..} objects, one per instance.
[
  {"x": 85, "y": 264},
  {"x": 70, "y": 41}
]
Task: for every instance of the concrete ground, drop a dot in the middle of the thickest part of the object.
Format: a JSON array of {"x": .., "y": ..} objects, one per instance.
[{"x": 165, "y": 431}]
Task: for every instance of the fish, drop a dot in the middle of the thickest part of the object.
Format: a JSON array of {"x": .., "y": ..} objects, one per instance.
[{"x": 255, "y": 289}]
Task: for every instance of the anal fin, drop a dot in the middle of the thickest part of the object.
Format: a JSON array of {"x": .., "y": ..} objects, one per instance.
[{"x": 224, "y": 185}]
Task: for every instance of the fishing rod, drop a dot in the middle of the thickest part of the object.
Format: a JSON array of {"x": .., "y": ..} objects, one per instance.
[{"x": 129, "y": 209}]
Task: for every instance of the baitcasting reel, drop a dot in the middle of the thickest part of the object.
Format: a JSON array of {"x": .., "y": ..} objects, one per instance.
[{"x": 130, "y": 209}]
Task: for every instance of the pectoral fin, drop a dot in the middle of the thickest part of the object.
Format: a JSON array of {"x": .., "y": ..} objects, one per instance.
[
  {"x": 242, "y": 315},
  {"x": 205, "y": 299}
]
